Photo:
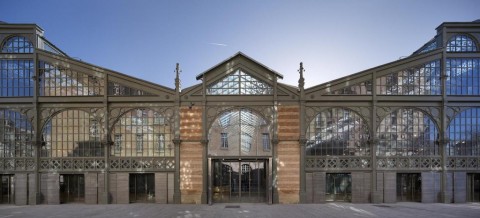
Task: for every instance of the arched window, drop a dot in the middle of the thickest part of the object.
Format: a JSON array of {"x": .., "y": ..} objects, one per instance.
[
  {"x": 16, "y": 135},
  {"x": 142, "y": 133},
  {"x": 337, "y": 131},
  {"x": 17, "y": 44},
  {"x": 72, "y": 133},
  {"x": 239, "y": 133},
  {"x": 461, "y": 43},
  {"x": 464, "y": 134},
  {"x": 407, "y": 132}
]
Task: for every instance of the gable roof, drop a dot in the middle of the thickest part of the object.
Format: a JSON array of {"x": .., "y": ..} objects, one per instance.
[{"x": 236, "y": 56}]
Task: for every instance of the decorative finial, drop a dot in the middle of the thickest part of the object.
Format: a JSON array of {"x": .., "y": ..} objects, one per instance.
[
  {"x": 301, "y": 81},
  {"x": 177, "y": 76}
]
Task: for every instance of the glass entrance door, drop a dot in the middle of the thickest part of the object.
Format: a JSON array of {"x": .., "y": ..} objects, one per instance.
[
  {"x": 409, "y": 187},
  {"x": 6, "y": 188},
  {"x": 339, "y": 187},
  {"x": 142, "y": 187},
  {"x": 473, "y": 187},
  {"x": 239, "y": 181},
  {"x": 72, "y": 188}
]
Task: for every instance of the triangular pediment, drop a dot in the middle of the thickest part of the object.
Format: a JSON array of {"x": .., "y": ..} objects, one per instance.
[{"x": 238, "y": 75}]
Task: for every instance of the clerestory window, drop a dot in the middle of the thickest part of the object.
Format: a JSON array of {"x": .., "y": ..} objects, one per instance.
[{"x": 239, "y": 83}]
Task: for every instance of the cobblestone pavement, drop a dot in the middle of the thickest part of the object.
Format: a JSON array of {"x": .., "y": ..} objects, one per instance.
[{"x": 400, "y": 210}]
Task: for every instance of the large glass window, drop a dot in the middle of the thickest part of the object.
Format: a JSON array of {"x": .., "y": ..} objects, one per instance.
[
  {"x": 421, "y": 80},
  {"x": 337, "y": 131},
  {"x": 137, "y": 134},
  {"x": 463, "y": 76},
  {"x": 17, "y": 44},
  {"x": 117, "y": 89},
  {"x": 239, "y": 83},
  {"x": 57, "y": 81},
  {"x": 238, "y": 132},
  {"x": 362, "y": 88},
  {"x": 407, "y": 132},
  {"x": 464, "y": 134},
  {"x": 461, "y": 43},
  {"x": 16, "y": 135},
  {"x": 16, "y": 78},
  {"x": 69, "y": 134}
]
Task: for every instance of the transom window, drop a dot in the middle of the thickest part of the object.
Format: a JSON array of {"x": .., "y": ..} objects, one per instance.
[
  {"x": 72, "y": 133},
  {"x": 407, "y": 132},
  {"x": 337, "y": 131},
  {"x": 139, "y": 135},
  {"x": 464, "y": 134},
  {"x": 239, "y": 83},
  {"x": 16, "y": 135},
  {"x": 239, "y": 133},
  {"x": 461, "y": 43},
  {"x": 17, "y": 44}
]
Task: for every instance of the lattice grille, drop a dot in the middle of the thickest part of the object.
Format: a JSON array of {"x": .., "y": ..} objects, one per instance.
[{"x": 337, "y": 163}]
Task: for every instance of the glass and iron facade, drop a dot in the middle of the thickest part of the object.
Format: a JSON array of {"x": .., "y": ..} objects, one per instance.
[{"x": 72, "y": 132}]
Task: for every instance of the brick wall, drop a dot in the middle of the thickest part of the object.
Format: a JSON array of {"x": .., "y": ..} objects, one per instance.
[
  {"x": 191, "y": 152},
  {"x": 288, "y": 151}
]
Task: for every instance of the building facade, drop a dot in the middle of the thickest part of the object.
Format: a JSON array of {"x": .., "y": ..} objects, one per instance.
[{"x": 71, "y": 131}]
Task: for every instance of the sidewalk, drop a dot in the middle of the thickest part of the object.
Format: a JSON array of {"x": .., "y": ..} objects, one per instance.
[{"x": 397, "y": 210}]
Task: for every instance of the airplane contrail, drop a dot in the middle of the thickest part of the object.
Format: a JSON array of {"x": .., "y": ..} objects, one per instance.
[{"x": 219, "y": 44}]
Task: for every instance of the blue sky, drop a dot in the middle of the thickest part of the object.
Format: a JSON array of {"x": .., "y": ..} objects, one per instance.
[{"x": 145, "y": 38}]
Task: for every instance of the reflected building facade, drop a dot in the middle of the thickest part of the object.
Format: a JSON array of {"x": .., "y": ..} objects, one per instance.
[{"x": 408, "y": 130}]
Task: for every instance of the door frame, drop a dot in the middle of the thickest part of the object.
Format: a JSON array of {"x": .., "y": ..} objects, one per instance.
[{"x": 268, "y": 179}]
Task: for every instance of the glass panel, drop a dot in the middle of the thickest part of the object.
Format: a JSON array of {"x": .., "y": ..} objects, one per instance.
[
  {"x": 362, "y": 88},
  {"x": 473, "y": 187},
  {"x": 7, "y": 187},
  {"x": 16, "y": 78},
  {"x": 464, "y": 134},
  {"x": 337, "y": 131},
  {"x": 407, "y": 132},
  {"x": 238, "y": 132},
  {"x": 142, "y": 188},
  {"x": 117, "y": 89},
  {"x": 338, "y": 187},
  {"x": 239, "y": 181},
  {"x": 57, "y": 81},
  {"x": 68, "y": 134},
  {"x": 16, "y": 135},
  {"x": 409, "y": 187},
  {"x": 461, "y": 43},
  {"x": 239, "y": 83},
  {"x": 136, "y": 134},
  {"x": 17, "y": 44},
  {"x": 463, "y": 76},
  {"x": 72, "y": 188},
  {"x": 421, "y": 80}
]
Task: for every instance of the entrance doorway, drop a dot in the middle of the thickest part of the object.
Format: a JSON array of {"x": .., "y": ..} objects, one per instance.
[
  {"x": 409, "y": 187},
  {"x": 142, "y": 188},
  {"x": 239, "y": 181},
  {"x": 338, "y": 187},
  {"x": 473, "y": 187},
  {"x": 7, "y": 189},
  {"x": 72, "y": 188}
]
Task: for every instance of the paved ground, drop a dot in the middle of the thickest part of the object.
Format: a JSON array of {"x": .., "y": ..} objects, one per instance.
[{"x": 398, "y": 210}]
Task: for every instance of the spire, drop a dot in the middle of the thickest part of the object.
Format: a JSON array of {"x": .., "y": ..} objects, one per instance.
[
  {"x": 177, "y": 77},
  {"x": 301, "y": 81}
]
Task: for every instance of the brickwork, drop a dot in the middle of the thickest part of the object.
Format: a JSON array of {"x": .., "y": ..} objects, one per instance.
[{"x": 288, "y": 151}]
